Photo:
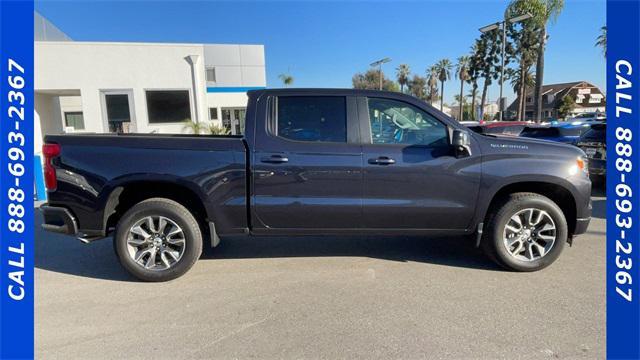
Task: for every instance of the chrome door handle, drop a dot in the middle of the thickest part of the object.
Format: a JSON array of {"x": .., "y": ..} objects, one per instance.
[
  {"x": 274, "y": 159},
  {"x": 382, "y": 160}
]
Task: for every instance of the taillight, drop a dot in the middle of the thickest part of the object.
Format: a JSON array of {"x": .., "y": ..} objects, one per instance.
[{"x": 49, "y": 151}]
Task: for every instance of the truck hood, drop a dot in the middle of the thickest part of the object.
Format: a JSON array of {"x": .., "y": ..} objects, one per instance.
[{"x": 529, "y": 146}]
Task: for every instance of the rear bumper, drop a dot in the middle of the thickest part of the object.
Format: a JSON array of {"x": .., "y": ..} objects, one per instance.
[{"x": 58, "y": 219}]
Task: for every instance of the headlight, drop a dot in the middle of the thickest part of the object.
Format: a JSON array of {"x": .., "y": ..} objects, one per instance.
[{"x": 581, "y": 165}]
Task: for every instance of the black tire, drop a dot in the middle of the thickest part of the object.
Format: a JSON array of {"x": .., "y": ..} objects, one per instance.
[
  {"x": 170, "y": 210},
  {"x": 499, "y": 216}
]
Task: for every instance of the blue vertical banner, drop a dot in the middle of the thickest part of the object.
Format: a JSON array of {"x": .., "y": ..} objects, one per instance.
[
  {"x": 623, "y": 182},
  {"x": 16, "y": 180}
]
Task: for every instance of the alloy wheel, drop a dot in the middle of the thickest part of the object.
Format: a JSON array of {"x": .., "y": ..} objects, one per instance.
[
  {"x": 529, "y": 234},
  {"x": 156, "y": 243}
]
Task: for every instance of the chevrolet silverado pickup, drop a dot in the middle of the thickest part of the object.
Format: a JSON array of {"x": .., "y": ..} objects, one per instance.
[{"x": 317, "y": 161}]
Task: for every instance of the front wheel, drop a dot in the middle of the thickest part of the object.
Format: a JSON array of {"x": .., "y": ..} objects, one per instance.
[
  {"x": 526, "y": 232},
  {"x": 158, "y": 240}
]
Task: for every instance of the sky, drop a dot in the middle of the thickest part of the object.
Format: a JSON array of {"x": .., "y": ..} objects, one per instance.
[{"x": 324, "y": 43}]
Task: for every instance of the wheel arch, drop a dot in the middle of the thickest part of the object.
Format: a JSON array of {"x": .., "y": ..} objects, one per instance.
[
  {"x": 126, "y": 194},
  {"x": 559, "y": 193}
]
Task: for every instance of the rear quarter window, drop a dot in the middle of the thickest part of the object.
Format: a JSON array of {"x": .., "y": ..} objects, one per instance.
[{"x": 312, "y": 118}]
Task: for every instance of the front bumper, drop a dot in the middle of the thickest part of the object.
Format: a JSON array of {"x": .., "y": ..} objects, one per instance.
[
  {"x": 581, "y": 226},
  {"x": 58, "y": 219}
]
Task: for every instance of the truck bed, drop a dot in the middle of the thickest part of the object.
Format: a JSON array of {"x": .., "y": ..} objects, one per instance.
[{"x": 91, "y": 168}]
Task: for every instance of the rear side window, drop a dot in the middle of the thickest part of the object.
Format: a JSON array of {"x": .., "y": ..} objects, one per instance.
[{"x": 312, "y": 118}]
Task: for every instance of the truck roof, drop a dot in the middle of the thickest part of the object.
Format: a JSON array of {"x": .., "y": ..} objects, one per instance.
[{"x": 330, "y": 91}]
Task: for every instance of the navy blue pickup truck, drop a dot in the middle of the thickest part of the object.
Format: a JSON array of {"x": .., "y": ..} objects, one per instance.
[{"x": 317, "y": 161}]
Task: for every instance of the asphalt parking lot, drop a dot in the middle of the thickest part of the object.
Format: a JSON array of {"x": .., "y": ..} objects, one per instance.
[{"x": 323, "y": 298}]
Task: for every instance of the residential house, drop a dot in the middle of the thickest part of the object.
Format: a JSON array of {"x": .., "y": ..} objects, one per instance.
[{"x": 587, "y": 97}]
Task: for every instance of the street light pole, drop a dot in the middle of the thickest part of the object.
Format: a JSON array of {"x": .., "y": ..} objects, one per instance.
[
  {"x": 503, "y": 26},
  {"x": 504, "y": 39},
  {"x": 379, "y": 63}
]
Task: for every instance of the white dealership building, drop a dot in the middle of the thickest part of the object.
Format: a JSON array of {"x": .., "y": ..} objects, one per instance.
[{"x": 102, "y": 87}]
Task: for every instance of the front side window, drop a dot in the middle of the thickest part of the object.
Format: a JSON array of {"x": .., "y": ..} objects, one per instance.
[
  {"x": 396, "y": 122},
  {"x": 312, "y": 118},
  {"x": 168, "y": 106}
]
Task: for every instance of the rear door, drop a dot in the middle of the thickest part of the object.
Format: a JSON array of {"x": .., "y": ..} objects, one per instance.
[
  {"x": 412, "y": 178},
  {"x": 307, "y": 164}
]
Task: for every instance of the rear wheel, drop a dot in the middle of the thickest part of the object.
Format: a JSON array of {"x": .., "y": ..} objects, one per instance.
[
  {"x": 525, "y": 232},
  {"x": 158, "y": 240}
]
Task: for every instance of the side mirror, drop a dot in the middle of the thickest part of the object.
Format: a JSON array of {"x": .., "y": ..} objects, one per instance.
[{"x": 461, "y": 141}]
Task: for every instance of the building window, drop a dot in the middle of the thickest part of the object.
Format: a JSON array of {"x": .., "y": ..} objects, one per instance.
[
  {"x": 579, "y": 99},
  {"x": 74, "y": 119},
  {"x": 213, "y": 113},
  {"x": 211, "y": 74},
  {"x": 529, "y": 99},
  {"x": 168, "y": 106},
  {"x": 312, "y": 118},
  {"x": 595, "y": 98}
]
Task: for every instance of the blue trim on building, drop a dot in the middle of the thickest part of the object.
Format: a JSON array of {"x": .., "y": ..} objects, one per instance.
[
  {"x": 41, "y": 191},
  {"x": 233, "y": 89}
]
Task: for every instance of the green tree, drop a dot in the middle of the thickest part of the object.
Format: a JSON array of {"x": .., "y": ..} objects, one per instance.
[
  {"x": 462, "y": 73},
  {"x": 287, "y": 79},
  {"x": 444, "y": 73},
  {"x": 543, "y": 11},
  {"x": 194, "y": 127},
  {"x": 522, "y": 48},
  {"x": 217, "y": 130},
  {"x": 402, "y": 75},
  {"x": 601, "y": 40},
  {"x": 515, "y": 77},
  {"x": 488, "y": 51},
  {"x": 432, "y": 84},
  {"x": 371, "y": 80},
  {"x": 566, "y": 106},
  {"x": 417, "y": 87}
]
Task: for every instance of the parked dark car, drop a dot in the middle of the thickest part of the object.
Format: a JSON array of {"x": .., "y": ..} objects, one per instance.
[
  {"x": 317, "y": 162},
  {"x": 594, "y": 144},
  {"x": 508, "y": 128},
  {"x": 567, "y": 133}
]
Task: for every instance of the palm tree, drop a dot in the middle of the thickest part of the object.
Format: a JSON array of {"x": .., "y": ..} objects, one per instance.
[
  {"x": 475, "y": 64},
  {"x": 194, "y": 127},
  {"x": 444, "y": 73},
  {"x": 601, "y": 40},
  {"x": 287, "y": 79},
  {"x": 462, "y": 73},
  {"x": 543, "y": 11},
  {"x": 402, "y": 74},
  {"x": 432, "y": 82}
]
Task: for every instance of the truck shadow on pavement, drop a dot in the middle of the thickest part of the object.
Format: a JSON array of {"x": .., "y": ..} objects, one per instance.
[{"x": 64, "y": 254}]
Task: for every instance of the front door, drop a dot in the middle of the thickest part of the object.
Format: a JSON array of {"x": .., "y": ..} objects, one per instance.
[
  {"x": 412, "y": 180},
  {"x": 117, "y": 110},
  {"x": 233, "y": 120},
  {"x": 307, "y": 165}
]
